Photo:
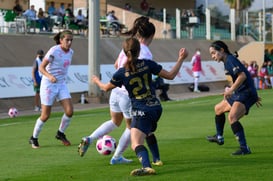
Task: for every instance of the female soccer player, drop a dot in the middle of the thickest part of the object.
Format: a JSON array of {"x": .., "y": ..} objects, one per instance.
[
  {"x": 237, "y": 99},
  {"x": 54, "y": 68},
  {"x": 120, "y": 105},
  {"x": 136, "y": 76}
]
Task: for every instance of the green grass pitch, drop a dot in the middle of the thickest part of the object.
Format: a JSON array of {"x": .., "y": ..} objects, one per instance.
[{"x": 181, "y": 137}]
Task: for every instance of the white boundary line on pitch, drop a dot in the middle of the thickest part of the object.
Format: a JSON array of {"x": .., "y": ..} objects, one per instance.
[
  {"x": 9, "y": 124},
  {"x": 15, "y": 123}
]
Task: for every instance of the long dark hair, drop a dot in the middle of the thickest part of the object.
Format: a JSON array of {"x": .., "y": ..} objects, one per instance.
[
  {"x": 131, "y": 48},
  {"x": 217, "y": 45},
  {"x": 142, "y": 27}
]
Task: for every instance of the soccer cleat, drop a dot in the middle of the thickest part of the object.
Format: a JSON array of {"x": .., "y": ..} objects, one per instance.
[
  {"x": 61, "y": 136},
  {"x": 157, "y": 163},
  {"x": 143, "y": 172},
  {"x": 120, "y": 160},
  {"x": 83, "y": 146},
  {"x": 34, "y": 142},
  {"x": 242, "y": 151},
  {"x": 218, "y": 139}
]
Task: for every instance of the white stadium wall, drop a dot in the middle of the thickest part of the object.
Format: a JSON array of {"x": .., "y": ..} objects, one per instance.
[{"x": 17, "y": 81}]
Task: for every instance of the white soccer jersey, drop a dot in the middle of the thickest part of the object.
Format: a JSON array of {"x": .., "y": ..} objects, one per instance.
[
  {"x": 59, "y": 62},
  {"x": 145, "y": 52}
]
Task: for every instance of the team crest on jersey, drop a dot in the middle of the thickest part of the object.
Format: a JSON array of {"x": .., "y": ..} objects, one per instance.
[
  {"x": 127, "y": 74},
  {"x": 235, "y": 68},
  {"x": 51, "y": 57}
]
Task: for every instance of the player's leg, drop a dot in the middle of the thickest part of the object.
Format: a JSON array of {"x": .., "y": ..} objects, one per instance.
[
  {"x": 65, "y": 100},
  {"x": 47, "y": 100},
  {"x": 196, "y": 81},
  {"x": 153, "y": 146},
  {"x": 151, "y": 138},
  {"x": 37, "y": 105},
  {"x": 102, "y": 130},
  {"x": 237, "y": 111},
  {"x": 124, "y": 141},
  {"x": 107, "y": 126},
  {"x": 46, "y": 110},
  {"x": 65, "y": 121},
  {"x": 220, "y": 119},
  {"x": 137, "y": 139}
]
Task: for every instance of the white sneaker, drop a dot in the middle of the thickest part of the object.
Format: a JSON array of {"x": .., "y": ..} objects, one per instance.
[{"x": 120, "y": 160}]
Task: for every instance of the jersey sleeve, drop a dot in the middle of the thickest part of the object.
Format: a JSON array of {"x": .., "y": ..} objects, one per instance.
[
  {"x": 234, "y": 65},
  {"x": 50, "y": 54},
  {"x": 121, "y": 59},
  {"x": 117, "y": 78},
  {"x": 154, "y": 67}
]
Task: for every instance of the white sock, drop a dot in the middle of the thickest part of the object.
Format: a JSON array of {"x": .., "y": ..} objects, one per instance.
[
  {"x": 64, "y": 123},
  {"x": 196, "y": 84},
  {"x": 103, "y": 129},
  {"x": 123, "y": 143},
  {"x": 37, "y": 128}
]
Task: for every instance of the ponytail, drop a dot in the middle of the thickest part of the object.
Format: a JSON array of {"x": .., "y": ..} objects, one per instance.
[
  {"x": 142, "y": 27},
  {"x": 131, "y": 48}
]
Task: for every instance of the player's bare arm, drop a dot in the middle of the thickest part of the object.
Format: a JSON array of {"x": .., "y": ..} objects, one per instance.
[
  {"x": 240, "y": 79},
  {"x": 183, "y": 53},
  {"x": 105, "y": 87},
  {"x": 42, "y": 69}
]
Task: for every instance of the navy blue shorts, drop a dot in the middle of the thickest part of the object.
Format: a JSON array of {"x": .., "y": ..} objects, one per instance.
[
  {"x": 146, "y": 116},
  {"x": 246, "y": 98}
]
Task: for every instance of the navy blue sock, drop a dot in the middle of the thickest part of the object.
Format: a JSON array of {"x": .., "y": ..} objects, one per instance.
[
  {"x": 153, "y": 146},
  {"x": 238, "y": 131},
  {"x": 142, "y": 155},
  {"x": 220, "y": 124}
]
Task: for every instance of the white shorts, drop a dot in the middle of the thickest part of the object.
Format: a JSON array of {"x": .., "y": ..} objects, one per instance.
[
  {"x": 196, "y": 74},
  {"x": 120, "y": 102},
  {"x": 49, "y": 92}
]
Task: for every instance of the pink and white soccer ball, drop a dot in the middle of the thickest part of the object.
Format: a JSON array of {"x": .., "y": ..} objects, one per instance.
[
  {"x": 13, "y": 112},
  {"x": 106, "y": 145}
]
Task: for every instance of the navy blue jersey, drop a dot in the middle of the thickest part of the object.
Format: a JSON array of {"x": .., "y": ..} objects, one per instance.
[
  {"x": 146, "y": 108},
  {"x": 138, "y": 84},
  {"x": 232, "y": 67},
  {"x": 246, "y": 93}
]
